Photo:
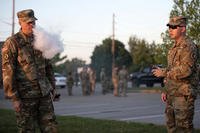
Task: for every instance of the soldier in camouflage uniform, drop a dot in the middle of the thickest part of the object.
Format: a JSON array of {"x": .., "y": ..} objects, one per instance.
[
  {"x": 123, "y": 79},
  {"x": 28, "y": 79},
  {"x": 70, "y": 83},
  {"x": 103, "y": 80},
  {"x": 84, "y": 76},
  {"x": 181, "y": 79},
  {"x": 76, "y": 78},
  {"x": 92, "y": 79}
]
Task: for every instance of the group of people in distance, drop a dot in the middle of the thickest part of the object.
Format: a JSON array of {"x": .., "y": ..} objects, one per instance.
[
  {"x": 119, "y": 81},
  {"x": 88, "y": 81}
]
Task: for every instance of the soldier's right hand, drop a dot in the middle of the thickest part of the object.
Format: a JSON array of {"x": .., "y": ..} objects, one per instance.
[
  {"x": 163, "y": 97},
  {"x": 17, "y": 105},
  {"x": 157, "y": 72}
]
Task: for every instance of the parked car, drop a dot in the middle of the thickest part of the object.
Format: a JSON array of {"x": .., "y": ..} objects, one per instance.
[
  {"x": 145, "y": 77},
  {"x": 60, "y": 80}
]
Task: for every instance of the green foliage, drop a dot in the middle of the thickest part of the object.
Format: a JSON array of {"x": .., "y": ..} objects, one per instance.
[
  {"x": 144, "y": 54},
  {"x": 102, "y": 56},
  {"x": 71, "y": 66},
  {"x": 88, "y": 125},
  {"x": 62, "y": 65},
  {"x": 72, "y": 124},
  {"x": 157, "y": 54},
  {"x": 57, "y": 63},
  {"x": 193, "y": 13}
]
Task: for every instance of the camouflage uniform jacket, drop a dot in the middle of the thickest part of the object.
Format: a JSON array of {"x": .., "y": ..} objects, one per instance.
[
  {"x": 26, "y": 74},
  {"x": 102, "y": 77},
  {"x": 123, "y": 75},
  {"x": 70, "y": 81},
  {"x": 84, "y": 76},
  {"x": 181, "y": 74},
  {"x": 92, "y": 76}
]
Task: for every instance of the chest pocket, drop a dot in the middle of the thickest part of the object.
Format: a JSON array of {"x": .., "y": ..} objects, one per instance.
[
  {"x": 174, "y": 57},
  {"x": 177, "y": 58},
  {"x": 26, "y": 62},
  {"x": 25, "y": 56}
]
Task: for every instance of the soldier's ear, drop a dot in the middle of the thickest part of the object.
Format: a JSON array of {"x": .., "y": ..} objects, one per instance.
[{"x": 183, "y": 29}]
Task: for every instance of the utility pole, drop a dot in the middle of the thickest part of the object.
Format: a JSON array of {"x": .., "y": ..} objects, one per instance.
[
  {"x": 113, "y": 42},
  {"x": 13, "y": 18}
]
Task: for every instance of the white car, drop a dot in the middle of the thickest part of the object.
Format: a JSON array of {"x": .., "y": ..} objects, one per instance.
[{"x": 60, "y": 80}]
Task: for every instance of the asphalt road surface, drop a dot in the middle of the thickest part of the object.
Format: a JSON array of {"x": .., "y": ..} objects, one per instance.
[{"x": 137, "y": 107}]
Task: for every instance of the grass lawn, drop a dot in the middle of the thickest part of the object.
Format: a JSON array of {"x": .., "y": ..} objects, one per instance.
[{"x": 73, "y": 124}]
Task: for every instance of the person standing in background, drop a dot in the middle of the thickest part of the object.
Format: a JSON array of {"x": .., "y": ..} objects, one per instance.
[
  {"x": 181, "y": 78},
  {"x": 92, "y": 79},
  {"x": 28, "y": 79},
  {"x": 103, "y": 81},
  {"x": 84, "y": 76},
  {"x": 70, "y": 83},
  {"x": 76, "y": 78},
  {"x": 123, "y": 79}
]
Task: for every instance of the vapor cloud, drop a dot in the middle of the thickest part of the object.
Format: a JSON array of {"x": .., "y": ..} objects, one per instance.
[{"x": 48, "y": 43}]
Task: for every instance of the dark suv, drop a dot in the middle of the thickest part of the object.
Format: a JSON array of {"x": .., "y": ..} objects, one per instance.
[{"x": 145, "y": 77}]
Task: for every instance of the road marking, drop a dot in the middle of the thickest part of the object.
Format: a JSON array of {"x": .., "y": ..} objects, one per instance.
[
  {"x": 147, "y": 117},
  {"x": 105, "y": 111},
  {"x": 65, "y": 106},
  {"x": 81, "y": 113},
  {"x": 60, "y": 107},
  {"x": 142, "y": 117}
]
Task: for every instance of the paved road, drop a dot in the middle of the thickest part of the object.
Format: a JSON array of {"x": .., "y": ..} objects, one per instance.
[{"x": 138, "y": 107}]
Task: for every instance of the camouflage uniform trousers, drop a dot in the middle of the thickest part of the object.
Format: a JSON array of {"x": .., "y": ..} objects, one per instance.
[
  {"x": 36, "y": 110},
  {"x": 85, "y": 88},
  {"x": 92, "y": 87},
  {"x": 104, "y": 87},
  {"x": 179, "y": 114},
  {"x": 69, "y": 89},
  {"x": 122, "y": 87}
]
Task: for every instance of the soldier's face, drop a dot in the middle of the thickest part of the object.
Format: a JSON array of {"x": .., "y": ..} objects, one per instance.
[
  {"x": 176, "y": 32},
  {"x": 27, "y": 27}
]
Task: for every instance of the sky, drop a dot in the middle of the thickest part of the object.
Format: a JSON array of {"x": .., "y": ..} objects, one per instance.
[{"x": 83, "y": 24}]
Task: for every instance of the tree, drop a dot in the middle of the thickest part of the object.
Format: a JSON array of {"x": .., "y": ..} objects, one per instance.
[
  {"x": 57, "y": 62},
  {"x": 63, "y": 65},
  {"x": 102, "y": 56},
  {"x": 193, "y": 13},
  {"x": 73, "y": 65},
  {"x": 142, "y": 53},
  {"x": 159, "y": 54}
]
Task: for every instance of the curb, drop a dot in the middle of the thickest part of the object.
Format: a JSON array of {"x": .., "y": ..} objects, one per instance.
[
  {"x": 150, "y": 91},
  {"x": 145, "y": 91}
]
